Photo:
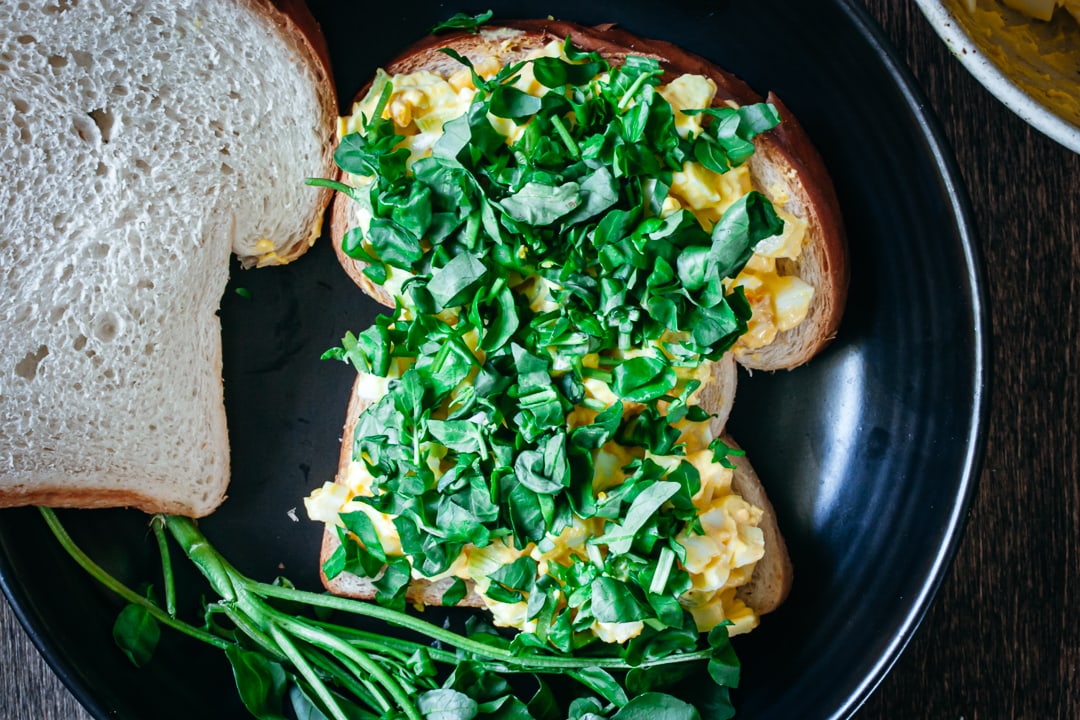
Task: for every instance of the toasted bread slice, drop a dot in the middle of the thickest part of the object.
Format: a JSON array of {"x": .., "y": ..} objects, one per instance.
[
  {"x": 772, "y": 575},
  {"x": 785, "y": 167},
  {"x": 140, "y": 150}
]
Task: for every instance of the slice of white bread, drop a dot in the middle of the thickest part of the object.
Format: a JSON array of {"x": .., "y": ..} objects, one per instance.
[
  {"x": 786, "y": 167},
  {"x": 140, "y": 144},
  {"x": 771, "y": 580}
]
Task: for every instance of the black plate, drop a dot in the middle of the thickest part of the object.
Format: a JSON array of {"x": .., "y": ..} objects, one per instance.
[{"x": 870, "y": 453}]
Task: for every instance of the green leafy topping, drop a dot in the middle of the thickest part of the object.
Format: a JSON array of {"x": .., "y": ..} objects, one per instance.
[
  {"x": 260, "y": 681},
  {"x": 455, "y": 592},
  {"x": 290, "y": 660},
  {"x": 544, "y": 275},
  {"x": 722, "y": 453},
  {"x": 463, "y": 21}
]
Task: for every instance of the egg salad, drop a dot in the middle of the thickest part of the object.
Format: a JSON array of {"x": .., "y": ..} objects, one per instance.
[
  {"x": 720, "y": 555},
  {"x": 421, "y": 103},
  {"x": 570, "y": 246},
  {"x": 1039, "y": 9}
]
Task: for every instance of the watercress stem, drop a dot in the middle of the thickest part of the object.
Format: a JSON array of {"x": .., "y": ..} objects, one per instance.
[
  {"x": 304, "y": 668},
  {"x": 253, "y": 631},
  {"x": 567, "y": 139},
  {"x": 346, "y": 675},
  {"x": 327, "y": 641},
  {"x": 640, "y": 80},
  {"x": 158, "y": 524},
  {"x": 516, "y": 663},
  {"x": 392, "y": 617},
  {"x": 196, "y": 547},
  {"x": 400, "y": 649},
  {"x": 103, "y": 577},
  {"x": 334, "y": 185}
]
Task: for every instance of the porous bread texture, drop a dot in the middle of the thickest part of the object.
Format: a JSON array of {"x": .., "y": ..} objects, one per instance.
[{"x": 140, "y": 143}]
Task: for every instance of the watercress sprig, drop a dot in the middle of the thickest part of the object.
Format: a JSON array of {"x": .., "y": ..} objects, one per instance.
[{"x": 284, "y": 652}]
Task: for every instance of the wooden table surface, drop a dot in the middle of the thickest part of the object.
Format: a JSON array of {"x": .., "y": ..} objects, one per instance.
[{"x": 1002, "y": 639}]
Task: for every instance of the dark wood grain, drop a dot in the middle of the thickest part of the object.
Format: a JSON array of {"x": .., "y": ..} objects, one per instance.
[
  {"x": 1003, "y": 638},
  {"x": 28, "y": 688}
]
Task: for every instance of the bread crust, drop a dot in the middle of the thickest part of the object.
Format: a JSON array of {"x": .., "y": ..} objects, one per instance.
[
  {"x": 786, "y": 166},
  {"x": 97, "y": 498},
  {"x": 773, "y": 575}
]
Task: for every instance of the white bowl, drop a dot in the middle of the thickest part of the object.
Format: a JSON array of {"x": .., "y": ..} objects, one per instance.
[{"x": 1033, "y": 67}]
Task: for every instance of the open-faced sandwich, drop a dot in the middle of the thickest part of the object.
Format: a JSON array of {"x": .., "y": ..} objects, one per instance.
[{"x": 580, "y": 232}]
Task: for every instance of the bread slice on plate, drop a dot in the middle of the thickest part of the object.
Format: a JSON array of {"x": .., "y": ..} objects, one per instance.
[
  {"x": 141, "y": 144},
  {"x": 763, "y": 592},
  {"x": 796, "y": 282},
  {"x": 785, "y": 166}
]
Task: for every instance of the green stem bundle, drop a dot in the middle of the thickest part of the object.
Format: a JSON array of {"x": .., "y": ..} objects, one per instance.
[{"x": 344, "y": 672}]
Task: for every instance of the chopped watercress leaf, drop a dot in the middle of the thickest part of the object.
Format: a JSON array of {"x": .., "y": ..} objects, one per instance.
[
  {"x": 509, "y": 102},
  {"x": 463, "y": 21},
  {"x": 553, "y": 72},
  {"x": 642, "y": 379},
  {"x": 657, "y": 706},
  {"x": 447, "y": 704},
  {"x": 540, "y": 204},
  {"x": 556, "y": 306},
  {"x": 722, "y": 452},
  {"x": 455, "y": 592},
  {"x": 261, "y": 682},
  {"x": 457, "y": 281}
]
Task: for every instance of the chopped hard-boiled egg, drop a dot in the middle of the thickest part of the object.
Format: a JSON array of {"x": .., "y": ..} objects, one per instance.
[
  {"x": 324, "y": 504},
  {"x": 511, "y": 615},
  {"x": 617, "y": 632},
  {"x": 721, "y": 607},
  {"x": 328, "y": 502},
  {"x": 423, "y": 101},
  {"x": 791, "y": 300},
  {"x": 779, "y": 301},
  {"x": 688, "y": 92},
  {"x": 722, "y": 557},
  {"x": 708, "y": 194}
]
